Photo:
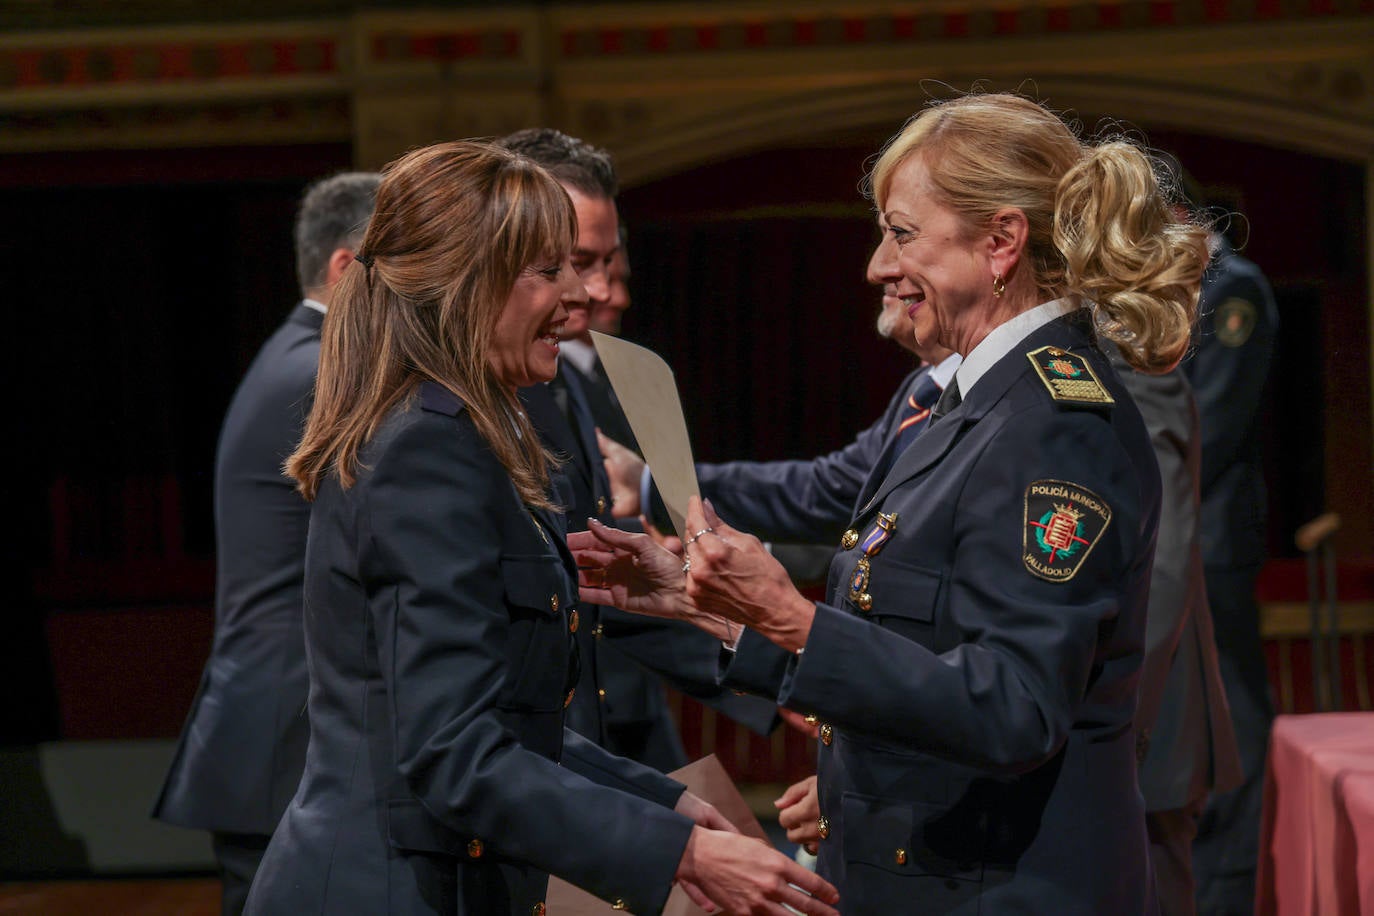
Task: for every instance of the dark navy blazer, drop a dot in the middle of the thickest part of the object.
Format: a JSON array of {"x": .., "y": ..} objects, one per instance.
[
  {"x": 243, "y": 747},
  {"x": 977, "y": 746},
  {"x": 439, "y": 776},
  {"x": 806, "y": 501}
]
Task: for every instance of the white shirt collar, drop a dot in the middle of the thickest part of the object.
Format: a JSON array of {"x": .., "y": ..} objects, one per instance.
[
  {"x": 582, "y": 355},
  {"x": 944, "y": 370},
  {"x": 1004, "y": 337},
  {"x": 316, "y": 305}
]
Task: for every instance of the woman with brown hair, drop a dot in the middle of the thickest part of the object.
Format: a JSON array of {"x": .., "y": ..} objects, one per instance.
[
  {"x": 439, "y": 601},
  {"x": 974, "y": 666}
]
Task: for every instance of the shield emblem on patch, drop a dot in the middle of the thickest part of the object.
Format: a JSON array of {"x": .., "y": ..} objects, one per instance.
[{"x": 1063, "y": 522}]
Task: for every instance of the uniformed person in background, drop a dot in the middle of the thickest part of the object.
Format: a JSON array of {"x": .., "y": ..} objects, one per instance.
[
  {"x": 974, "y": 667},
  {"x": 1237, "y": 324}
]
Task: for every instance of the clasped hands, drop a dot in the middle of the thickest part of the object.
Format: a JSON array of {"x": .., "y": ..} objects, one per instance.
[{"x": 729, "y": 578}]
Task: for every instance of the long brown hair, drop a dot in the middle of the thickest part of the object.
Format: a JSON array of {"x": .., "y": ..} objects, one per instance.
[{"x": 455, "y": 224}]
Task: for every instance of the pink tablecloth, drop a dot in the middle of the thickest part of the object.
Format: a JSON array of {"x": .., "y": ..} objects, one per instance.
[{"x": 1317, "y": 847}]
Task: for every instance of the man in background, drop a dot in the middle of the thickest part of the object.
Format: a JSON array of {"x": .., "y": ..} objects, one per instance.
[
  {"x": 617, "y": 702},
  {"x": 1237, "y": 326},
  {"x": 242, "y": 749}
]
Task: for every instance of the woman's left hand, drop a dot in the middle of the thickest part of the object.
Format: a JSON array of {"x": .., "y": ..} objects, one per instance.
[
  {"x": 628, "y": 571},
  {"x": 734, "y": 576}
]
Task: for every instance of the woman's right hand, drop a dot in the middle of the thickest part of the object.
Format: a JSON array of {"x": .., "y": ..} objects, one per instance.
[
  {"x": 625, "y": 469},
  {"x": 799, "y": 812},
  {"x": 738, "y": 874}
]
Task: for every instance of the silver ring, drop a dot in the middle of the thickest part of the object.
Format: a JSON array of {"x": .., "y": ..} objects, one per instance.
[
  {"x": 707, "y": 530},
  {"x": 686, "y": 566}
]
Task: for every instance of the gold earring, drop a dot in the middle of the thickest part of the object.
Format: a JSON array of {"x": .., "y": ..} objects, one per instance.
[{"x": 999, "y": 286}]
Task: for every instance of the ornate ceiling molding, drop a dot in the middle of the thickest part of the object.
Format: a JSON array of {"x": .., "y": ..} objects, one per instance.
[{"x": 668, "y": 85}]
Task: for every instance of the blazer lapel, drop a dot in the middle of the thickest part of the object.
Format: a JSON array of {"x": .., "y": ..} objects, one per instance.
[{"x": 548, "y": 420}]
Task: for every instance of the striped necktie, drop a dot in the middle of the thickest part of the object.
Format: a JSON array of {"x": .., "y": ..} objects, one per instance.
[{"x": 915, "y": 414}]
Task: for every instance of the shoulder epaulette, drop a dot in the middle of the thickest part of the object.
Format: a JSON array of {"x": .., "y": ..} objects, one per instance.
[
  {"x": 438, "y": 399},
  {"x": 1069, "y": 378}
]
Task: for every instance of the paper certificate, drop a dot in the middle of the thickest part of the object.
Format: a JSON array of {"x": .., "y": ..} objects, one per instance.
[{"x": 648, "y": 394}]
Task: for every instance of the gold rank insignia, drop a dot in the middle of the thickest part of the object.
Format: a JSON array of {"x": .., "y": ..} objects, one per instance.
[
  {"x": 1063, "y": 522},
  {"x": 1068, "y": 377},
  {"x": 1234, "y": 321}
]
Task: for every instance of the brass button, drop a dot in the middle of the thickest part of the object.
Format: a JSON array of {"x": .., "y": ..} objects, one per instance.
[
  {"x": 850, "y": 538},
  {"x": 811, "y": 720},
  {"x": 539, "y": 909},
  {"x": 864, "y": 602},
  {"x": 475, "y": 848},
  {"x": 553, "y": 602},
  {"x": 601, "y": 505},
  {"x": 572, "y": 621},
  {"x": 901, "y": 856},
  {"x": 620, "y": 904},
  {"x": 567, "y": 700},
  {"x": 827, "y": 734},
  {"x": 823, "y": 828},
  {"x": 598, "y": 631},
  {"x": 601, "y": 692}
]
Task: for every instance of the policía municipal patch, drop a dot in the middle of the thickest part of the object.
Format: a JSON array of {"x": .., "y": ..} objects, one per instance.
[
  {"x": 1069, "y": 377},
  {"x": 1062, "y": 525}
]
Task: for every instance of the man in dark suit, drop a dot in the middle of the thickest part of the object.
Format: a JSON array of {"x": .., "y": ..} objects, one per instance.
[
  {"x": 243, "y": 747},
  {"x": 1238, "y": 322},
  {"x": 618, "y": 703}
]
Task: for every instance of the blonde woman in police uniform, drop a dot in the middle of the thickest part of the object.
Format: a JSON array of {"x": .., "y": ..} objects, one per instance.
[{"x": 974, "y": 666}]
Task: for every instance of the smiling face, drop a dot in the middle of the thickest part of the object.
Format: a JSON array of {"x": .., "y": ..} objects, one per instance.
[
  {"x": 524, "y": 345},
  {"x": 946, "y": 271}
]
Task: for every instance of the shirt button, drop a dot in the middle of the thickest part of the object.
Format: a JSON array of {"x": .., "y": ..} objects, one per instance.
[
  {"x": 850, "y": 538},
  {"x": 553, "y": 602},
  {"x": 864, "y": 602},
  {"x": 572, "y": 621},
  {"x": 601, "y": 505},
  {"x": 811, "y": 720},
  {"x": 475, "y": 848},
  {"x": 539, "y": 909},
  {"x": 900, "y": 856},
  {"x": 823, "y": 828},
  {"x": 827, "y": 734},
  {"x": 601, "y": 693},
  {"x": 620, "y": 904},
  {"x": 598, "y": 631}
]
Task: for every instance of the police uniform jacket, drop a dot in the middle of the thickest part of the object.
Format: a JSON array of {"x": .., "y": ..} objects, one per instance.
[
  {"x": 439, "y": 777},
  {"x": 804, "y": 501},
  {"x": 1237, "y": 325},
  {"x": 975, "y": 664},
  {"x": 242, "y": 750}
]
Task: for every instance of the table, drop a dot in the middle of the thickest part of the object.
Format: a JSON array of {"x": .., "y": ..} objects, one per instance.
[{"x": 1317, "y": 841}]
